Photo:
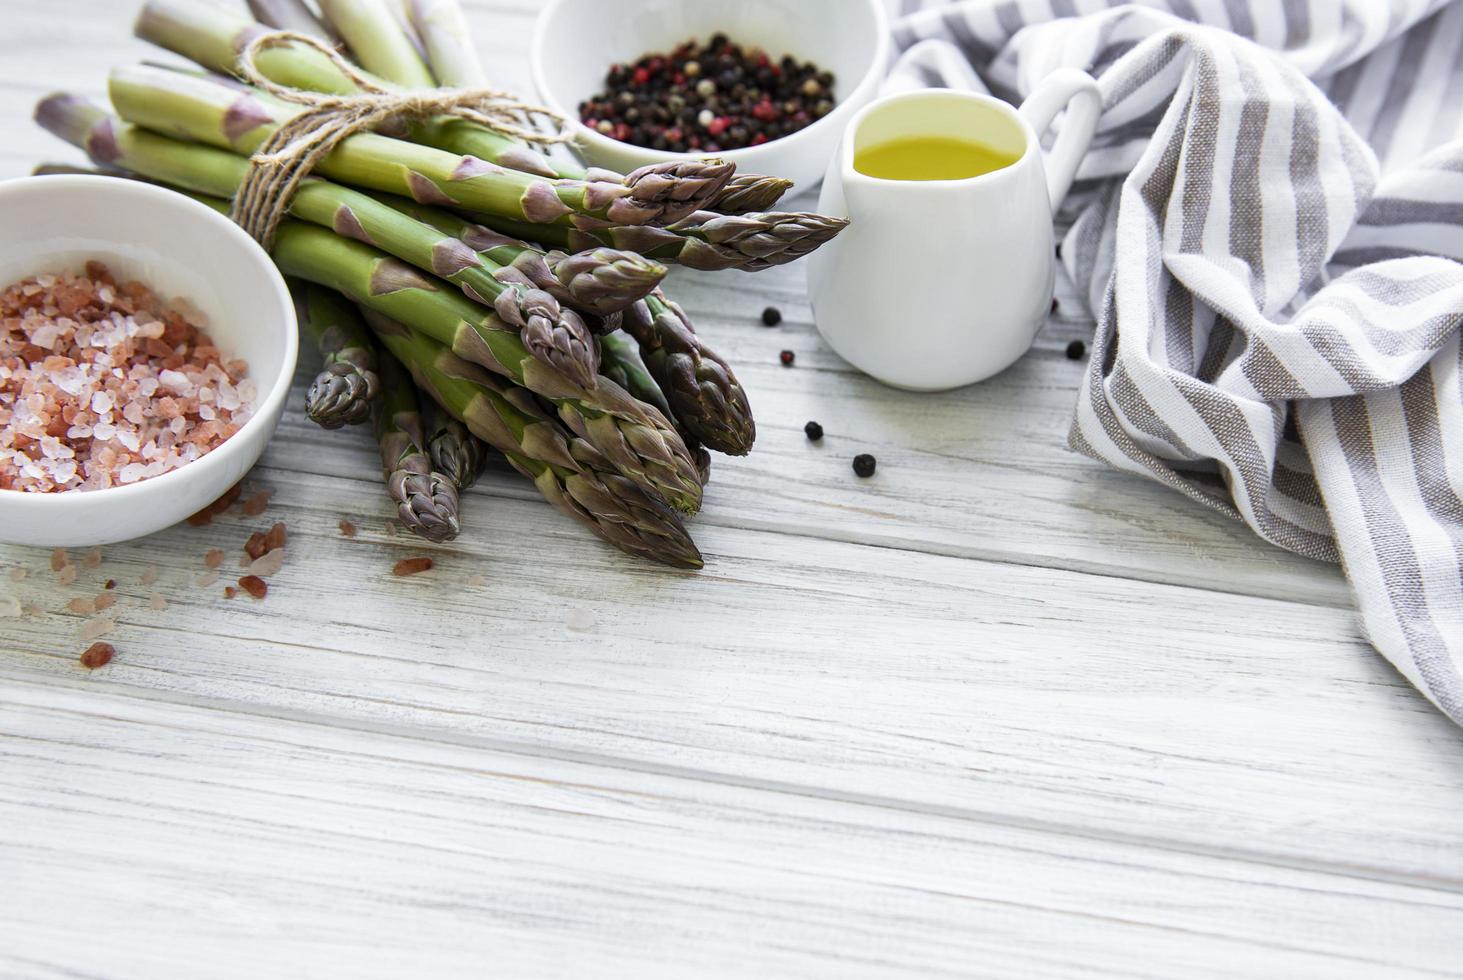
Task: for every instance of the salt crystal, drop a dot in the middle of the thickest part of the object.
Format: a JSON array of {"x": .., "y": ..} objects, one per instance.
[
  {"x": 175, "y": 381},
  {"x": 79, "y": 432},
  {"x": 101, "y": 402},
  {"x": 178, "y": 425},
  {"x": 149, "y": 575},
  {"x": 206, "y": 412},
  {"x": 268, "y": 563},
  {"x": 147, "y": 387},
  {"x": 208, "y": 578},
  {"x": 131, "y": 473},
  {"x": 104, "y": 601},
  {"x": 579, "y": 620},
  {"x": 53, "y": 448},
  {"x": 66, "y": 575},
  {"x": 133, "y": 413},
  {"x": 93, "y": 558},
  {"x": 81, "y": 607},
  {"x": 129, "y": 438},
  {"x": 228, "y": 396},
  {"x": 157, "y": 603},
  {"x": 476, "y": 582},
  {"x": 95, "y": 629},
  {"x": 103, "y": 431}
]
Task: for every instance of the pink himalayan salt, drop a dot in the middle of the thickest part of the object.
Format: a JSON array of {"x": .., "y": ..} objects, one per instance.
[
  {"x": 268, "y": 563},
  {"x": 95, "y": 629},
  {"x": 104, "y": 384},
  {"x": 82, "y": 607},
  {"x": 208, "y": 578},
  {"x": 149, "y": 575},
  {"x": 66, "y": 575},
  {"x": 157, "y": 603}
]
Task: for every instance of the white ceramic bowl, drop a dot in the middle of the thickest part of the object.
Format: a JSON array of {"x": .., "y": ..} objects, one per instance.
[
  {"x": 178, "y": 247},
  {"x": 576, "y": 41}
]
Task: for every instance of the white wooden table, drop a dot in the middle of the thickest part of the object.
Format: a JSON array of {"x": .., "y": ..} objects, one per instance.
[{"x": 996, "y": 712}]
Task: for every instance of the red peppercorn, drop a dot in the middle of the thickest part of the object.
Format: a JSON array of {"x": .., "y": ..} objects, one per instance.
[
  {"x": 764, "y": 111},
  {"x": 759, "y": 138},
  {"x": 718, "y": 125},
  {"x": 786, "y": 357},
  {"x": 640, "y": 77}
]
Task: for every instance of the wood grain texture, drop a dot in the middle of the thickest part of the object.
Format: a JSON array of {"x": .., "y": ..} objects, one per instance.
[
  {"x": 193, "y": 834},
  {"x": 996, "y": 712}
]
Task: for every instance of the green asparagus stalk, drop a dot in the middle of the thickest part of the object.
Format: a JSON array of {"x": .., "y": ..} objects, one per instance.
[
  {"x": 232, "y": 117},
  {"x": 456, "y": 453},
  {"x": 747, "y": 193},
  {"x": 599, "y": 281},
  {"x": 654, "y": 194},
  {"x": 555, "y": 335},
  {"x": 450, "y": 52},
  {"x": 376, "y": 37},
  {"x": 426, "y": 501},
  {"x": 707, "y": 241},
  {"x": 291, "y": 15},
  {"x": 567, "y": 470},
  {"x": 342, "y": 393},
  {"x": 634, "y": 437},
  {"x": 621, "y": 363},
  {"x": 704, "y": 395}
]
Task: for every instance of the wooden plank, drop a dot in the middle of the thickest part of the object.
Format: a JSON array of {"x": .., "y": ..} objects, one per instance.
[
  {"x": 1010, "y": 693},
  {"x": 149, "y": 839}
]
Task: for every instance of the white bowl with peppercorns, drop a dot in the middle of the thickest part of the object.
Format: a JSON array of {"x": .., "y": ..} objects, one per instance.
[{"x": 772, "y": 95}]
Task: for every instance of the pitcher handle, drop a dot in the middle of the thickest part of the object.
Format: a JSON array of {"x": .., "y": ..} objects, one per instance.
[{"x": 1076, "y": 91}]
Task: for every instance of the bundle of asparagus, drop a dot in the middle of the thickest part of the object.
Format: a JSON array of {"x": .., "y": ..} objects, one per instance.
[{"x": 463, "y": 288}]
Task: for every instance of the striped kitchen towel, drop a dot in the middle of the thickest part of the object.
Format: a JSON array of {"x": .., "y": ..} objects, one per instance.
[{"x": 1269, "y": 234}]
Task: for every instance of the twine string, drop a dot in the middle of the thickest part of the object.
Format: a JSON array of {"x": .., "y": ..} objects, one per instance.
[{"x": 289, "y": 155}]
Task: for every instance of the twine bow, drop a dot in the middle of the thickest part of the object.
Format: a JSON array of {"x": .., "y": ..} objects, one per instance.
[{"x": 293, "y": 150}]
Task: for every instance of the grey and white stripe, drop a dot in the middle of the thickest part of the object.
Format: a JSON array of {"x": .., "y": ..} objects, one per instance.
[{"x": 1280, "y": 341}]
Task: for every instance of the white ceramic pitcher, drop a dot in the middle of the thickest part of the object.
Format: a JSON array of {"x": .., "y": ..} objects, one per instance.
[{"x": 940, "y": 283}]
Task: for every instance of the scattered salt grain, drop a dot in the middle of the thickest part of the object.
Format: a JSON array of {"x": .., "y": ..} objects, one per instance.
[
  {"x": 59, "y": 559},
  {"x": 347, "y": 529},
  {"x": 476, "y": 582},
  {"x": 208, "y": 578},
  {"x": 157, "y": 603},
  {"x": 97, "y": 655},
  {"x": 104, "y": 601},
  {"x": 149, "y": 575},
  {"x": 66, "y": 575},
  {"x": 411, "y": 566},
  {"x": 97, "y": 628},
  {"x": 579, "y": 620},
  {"x": 214, "y": 557},
  {"x": 268, "y": 563},
  {"x": 230, "y": 591},
  {"x": 256, "y": 504},
  {"x": 93, "y": 558},
  {"x": 254, "y": 585},
  {"x": 81, "y": 607}
]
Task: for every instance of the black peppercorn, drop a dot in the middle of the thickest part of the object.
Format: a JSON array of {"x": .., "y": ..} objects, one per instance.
[
  {"x": 1075, "y": 350},
  {"x": 771, "y": 316},
  {"x": 814, "y": 431},
  {"x": 863, "y": 465},
  {"x": 1055, "y": 304},
  {"x": 786, "y": 357}
]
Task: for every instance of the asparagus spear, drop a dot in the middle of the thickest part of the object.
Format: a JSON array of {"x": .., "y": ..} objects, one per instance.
[
  {"x": 704, "y": 395},
  {"x": 599, "y": 281},
  {"x": 567, "y": 470},
  {"x": 706, "y": 241},
  {"x": 622, "y": 364},
  {"x": 342, "y": 393},
  {"x": 426, "y": 501},
  {"x": 443, "y": 29},
  {"x": 379, "y": 40},
  {"x": 654, "y": 194},
  {"x": 636, "y": 438},
  {"x": 290, "y": 15},
  {"x": 746, "y": 193},
  {"x": 232, "y": 117},
  {"x": 456, "y": 453},
  {"x": 557, "y": 336}
]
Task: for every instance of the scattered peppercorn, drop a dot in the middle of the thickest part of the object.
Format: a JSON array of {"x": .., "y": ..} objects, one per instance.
[
  {"x": 771, "y": 316},
  {"x": 1075, "y": 350},
  {"x": 99, "y": 654},
  {"x": 863, "y": 465},
  {"x": 230, "y": 591},
  {"x": 708, "y": 97},
  {"x": 1055, "y": 304},
  {"x": 111, "y": 583},
  {"x": 814, "y": 431},
  {"x": 786, "y": 357}
]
